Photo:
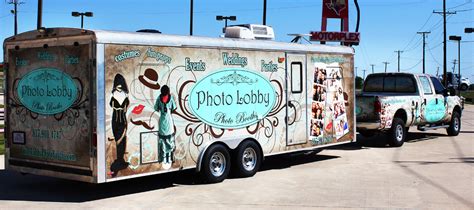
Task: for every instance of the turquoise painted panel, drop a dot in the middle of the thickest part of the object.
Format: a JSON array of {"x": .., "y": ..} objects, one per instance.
[
  {"x": 47, "y": 91},
  {"x": 434, "y": 112},
  {"x": 232, "y": 98}
]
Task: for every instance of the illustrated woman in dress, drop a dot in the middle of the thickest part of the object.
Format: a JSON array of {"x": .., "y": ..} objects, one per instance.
[
  {"x": 119, "y": 103},
  {"x": 165, "y": 105}
]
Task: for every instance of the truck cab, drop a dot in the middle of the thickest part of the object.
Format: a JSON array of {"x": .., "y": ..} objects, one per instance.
[{"x": 393, "y": 102}]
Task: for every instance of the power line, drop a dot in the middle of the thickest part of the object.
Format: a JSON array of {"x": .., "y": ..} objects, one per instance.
[
  {"x": 408, "y": 69},
  {"x": 460, "y": 5},
  {"x": 432, "y": 56},
  {"x": 5, "y": 16},
  {"x": 464, "y": 10},
  {"x": 418, "y": 43},
  {"x": 436, "y": 46}
]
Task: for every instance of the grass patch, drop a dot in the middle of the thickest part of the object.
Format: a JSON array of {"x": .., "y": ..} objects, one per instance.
[
  {"x": 469, "y": 95},
  {"x": 2, "y": 144}
]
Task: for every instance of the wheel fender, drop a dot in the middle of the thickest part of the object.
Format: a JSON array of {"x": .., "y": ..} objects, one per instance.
[{"x": 231, "y": 143}]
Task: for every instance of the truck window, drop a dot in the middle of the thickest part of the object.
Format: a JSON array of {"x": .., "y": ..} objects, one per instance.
[
  {"x": 425, "y": 85},
  {"x": 439, "y": 88},
  {"x": 405, "y": 84},
  {"x": 390, "y": 83},
  {"x": 296, "y": 77},
  {"x": 374, "y": 84}
]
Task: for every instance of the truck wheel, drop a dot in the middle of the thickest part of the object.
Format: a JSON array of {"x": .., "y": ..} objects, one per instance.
[
  {"x": 463, "y": 87},
  {"x": 397, "y": 133},
  {"x": 216, "y": 164},
  {"x": 247, "y": 159},
  {"x": 455, "y": 126}
]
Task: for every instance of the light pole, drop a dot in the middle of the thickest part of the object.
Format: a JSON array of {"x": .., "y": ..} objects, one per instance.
[
  {"x": 82, "y": 14},
  {"x": 231, "y": 18},
  {"x": 264, "y": 12},
  {"x": 191, "y": 14},
  {"x": 458, "y": 39}
]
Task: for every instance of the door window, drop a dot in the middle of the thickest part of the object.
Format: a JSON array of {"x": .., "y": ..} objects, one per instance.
[
  {"x": 426, "y": 86},
  {"x": 439, "y": 88},
  {"x": 296, "y": 77}
]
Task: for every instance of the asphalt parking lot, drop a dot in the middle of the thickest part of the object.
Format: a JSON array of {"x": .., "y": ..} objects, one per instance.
[{"x": 430, "y": 171}]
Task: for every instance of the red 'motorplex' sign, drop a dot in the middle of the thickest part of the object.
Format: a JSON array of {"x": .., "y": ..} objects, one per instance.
[{"x": 326, "y": 36}]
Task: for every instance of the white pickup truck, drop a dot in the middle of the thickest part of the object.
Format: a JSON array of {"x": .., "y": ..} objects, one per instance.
[{"x": 393, "y": 102}]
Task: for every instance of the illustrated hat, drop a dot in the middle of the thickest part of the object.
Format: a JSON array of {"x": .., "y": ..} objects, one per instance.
[{"x": 150, "y": 79}]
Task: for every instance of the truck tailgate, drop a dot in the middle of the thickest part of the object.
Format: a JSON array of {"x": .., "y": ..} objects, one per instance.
[{"x": 365, "y": 108}]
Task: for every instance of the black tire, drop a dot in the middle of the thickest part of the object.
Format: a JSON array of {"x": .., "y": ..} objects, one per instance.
[
  {"x": 463, "y": 87},
  {"x": 247, "y": 159},
  {"x": 455, "y": 125},
  {"x": 397, "y": 133},
  {"x": 215, "y": 164}
]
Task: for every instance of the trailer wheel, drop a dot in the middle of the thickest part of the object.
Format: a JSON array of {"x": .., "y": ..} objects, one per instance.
[
  {"x": 247, "y": 159},
  {"x": 397, "y": 133},
  {"x": 455, "y": 126},
  {"x": 216, "y": 164}
]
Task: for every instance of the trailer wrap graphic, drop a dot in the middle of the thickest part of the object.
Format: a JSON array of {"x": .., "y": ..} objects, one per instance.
[
  {"x": 173, "y": 102},
  {"x": 47, "y": 91},
  {"x": 49, "y": 105},
  {"x": 232, "y": 98}
]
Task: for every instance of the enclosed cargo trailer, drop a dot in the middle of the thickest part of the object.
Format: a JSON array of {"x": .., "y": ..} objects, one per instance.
[{"x": 101, "y": 106}]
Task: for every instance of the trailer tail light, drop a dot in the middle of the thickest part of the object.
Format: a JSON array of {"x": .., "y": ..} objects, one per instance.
[{"x": 377, "y": 106}]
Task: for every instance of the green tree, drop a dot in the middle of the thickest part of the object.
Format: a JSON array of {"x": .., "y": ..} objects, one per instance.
[{"x": 359, "y": 82}]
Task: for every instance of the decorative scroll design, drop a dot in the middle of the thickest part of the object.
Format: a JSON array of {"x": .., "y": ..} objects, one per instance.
[
  {"x": 234, "y": 79},
  {"x": 45, "y": 76},
  {"x": 72, "y": 113}
]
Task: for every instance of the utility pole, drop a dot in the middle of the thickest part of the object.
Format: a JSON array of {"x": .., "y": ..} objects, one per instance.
[
  {"x": 364, "y": 74},
  {"x": 423, "y": 33},
  {"x": 454, "y": 64},
  {"x": 398, "y": 52},
  {"x": 191, "y": 17},
  {"x": 15, "y": 12},
  {"x": 356, "y": 70},
  {"x": 386, "y": 63},
  {"x": 264, "y": 12},
  {"x": 445, "y": 65},
  {"x": 372, "y": 67},
  {"x": 437, "y": 71}
]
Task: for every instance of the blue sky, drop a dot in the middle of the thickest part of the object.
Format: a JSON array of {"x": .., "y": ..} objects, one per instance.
[{"x": 385, "y": 26}]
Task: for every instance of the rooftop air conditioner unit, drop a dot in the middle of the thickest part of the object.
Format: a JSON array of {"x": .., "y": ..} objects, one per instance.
[{"x": 250, "y": 31}]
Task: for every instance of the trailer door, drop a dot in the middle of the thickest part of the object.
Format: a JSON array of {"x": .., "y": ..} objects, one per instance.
[
  {"x": 296, "y": 100},
  {"x": 49, "y": 105}
]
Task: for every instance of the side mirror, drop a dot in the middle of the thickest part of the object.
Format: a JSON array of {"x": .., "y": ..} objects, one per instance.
[{"x": 450, "y": 91}]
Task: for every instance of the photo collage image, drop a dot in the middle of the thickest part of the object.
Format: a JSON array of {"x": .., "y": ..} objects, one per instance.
[{"x": 328, "y": 112}]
